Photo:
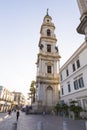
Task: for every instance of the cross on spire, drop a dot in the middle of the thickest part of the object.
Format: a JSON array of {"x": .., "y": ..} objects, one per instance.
[{"x": 47, "y": 11}]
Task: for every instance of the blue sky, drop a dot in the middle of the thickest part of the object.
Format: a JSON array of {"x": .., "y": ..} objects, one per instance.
[{"x": 20, "y": 22}]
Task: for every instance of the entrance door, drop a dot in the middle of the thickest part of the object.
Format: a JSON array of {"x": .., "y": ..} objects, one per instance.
[{"x": 49, "y": 93}]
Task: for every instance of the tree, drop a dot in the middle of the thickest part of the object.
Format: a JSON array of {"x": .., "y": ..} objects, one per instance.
[
  {"x": 75, "y": 108},
  {"x": 64, "y": 108},
  {"x": 57, "y": 108},
  {"x": 32, "y": 91},
  {"x": 61, "y": 108}
]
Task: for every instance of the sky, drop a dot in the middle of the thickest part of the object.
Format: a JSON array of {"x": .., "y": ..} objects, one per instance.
[{"x": 20, "y": 23}]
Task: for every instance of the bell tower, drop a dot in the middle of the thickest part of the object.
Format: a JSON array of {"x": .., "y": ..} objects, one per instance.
[{"x": 47, "y": 78}]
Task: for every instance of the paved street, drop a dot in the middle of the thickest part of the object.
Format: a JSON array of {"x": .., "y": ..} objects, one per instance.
[
  {"x": 6, "y": 121},
  {"x": 35, "y": 122},
  {"x": 48, "y": 122}
]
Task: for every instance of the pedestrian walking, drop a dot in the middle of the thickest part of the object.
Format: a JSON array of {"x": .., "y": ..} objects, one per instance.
[
  {"x": 9, "y": 111},
  {"x": 17, "y": 115},
  {"x": 43, "y": 113}
]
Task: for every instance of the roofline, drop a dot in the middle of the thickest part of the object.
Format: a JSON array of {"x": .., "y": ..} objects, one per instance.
[{"x": 82, "y": 46}]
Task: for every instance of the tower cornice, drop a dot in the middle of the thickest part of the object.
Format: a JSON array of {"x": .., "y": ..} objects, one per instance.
[
  {"x": 47, "y": 25},
  {"x": 46, "y": 55},
  {"x": 47, "y": 39},
  {"x": 48, "y": 80}
]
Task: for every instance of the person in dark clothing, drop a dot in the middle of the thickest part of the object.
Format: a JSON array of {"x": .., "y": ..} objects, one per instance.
[
  {"x": 9, "y": 112},
  {"x": 17, "y": 115}
]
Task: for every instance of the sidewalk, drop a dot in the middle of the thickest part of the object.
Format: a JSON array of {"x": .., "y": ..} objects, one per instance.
[{"x": 47, "y": 122}]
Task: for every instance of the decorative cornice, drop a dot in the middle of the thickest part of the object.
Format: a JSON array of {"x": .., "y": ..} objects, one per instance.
[
  {"x": 82, "y": 25},
  {"x": 52, "y": 56},
  {"x": 47, "y": 25},
  {"x": 46, "y": 80},
  {"x": 47, "y": 77},
  {"x": 46, "y": 38}
]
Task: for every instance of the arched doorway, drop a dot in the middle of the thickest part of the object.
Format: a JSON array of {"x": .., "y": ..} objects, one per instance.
[{"x": 49, "y": 96}]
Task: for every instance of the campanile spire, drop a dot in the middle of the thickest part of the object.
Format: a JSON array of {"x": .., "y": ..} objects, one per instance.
[{"x": 47, "y": 78}]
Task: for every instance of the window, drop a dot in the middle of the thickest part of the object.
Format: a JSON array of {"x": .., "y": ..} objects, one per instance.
[
  {"x": 48, "y": 69},
  {"x": 69, "y": 88},
  {"x": 48, "y": 32},
  {"x": 67, "y": 72},
  {"x": 73, "y": 66},
  {"x": 78, "y": 63},
  {"x": 78, "y": 83},
  {"x": 61, "y": 78},
  {"x": 62, "y": 91},
  {"x": 81, "y": 83},
  {"x": 48, "y": 48}
]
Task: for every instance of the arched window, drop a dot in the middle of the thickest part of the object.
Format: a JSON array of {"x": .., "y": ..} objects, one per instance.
[
  {"x": 48, "y": 32},
  {"x": 48, "y": 48}
]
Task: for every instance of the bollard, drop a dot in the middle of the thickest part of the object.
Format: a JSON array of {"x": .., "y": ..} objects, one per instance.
[
  {"x": 40, "y": 126},
  {"x": 14, "y": 127},
  {"x": 65, "y": 125},
  {"x": 86, "y": 125}
]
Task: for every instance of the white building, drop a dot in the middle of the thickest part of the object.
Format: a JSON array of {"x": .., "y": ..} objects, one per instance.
[
  {"x": 6, "y": 99},
  {"x": 47, "y": 78},
  {"x": 73, "y": 73}
]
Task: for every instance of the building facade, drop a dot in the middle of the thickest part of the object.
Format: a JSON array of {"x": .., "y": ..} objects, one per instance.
[
  {"x": 73, "y": 73},
  {"x": 10, "y": 100},
  {"x": 6, "y": 99},
  {"x": 19, "y": 98},
  {"x": 73, "y": 78},
  {"x": 47, "y": 78}
]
